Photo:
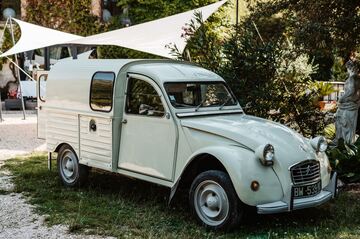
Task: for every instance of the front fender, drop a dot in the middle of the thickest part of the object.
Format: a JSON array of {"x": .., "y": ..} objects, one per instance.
[{"x": 243, "y": 168}]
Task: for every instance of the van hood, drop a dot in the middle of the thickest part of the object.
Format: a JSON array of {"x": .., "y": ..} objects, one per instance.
[{"x": 252, "y": 132}]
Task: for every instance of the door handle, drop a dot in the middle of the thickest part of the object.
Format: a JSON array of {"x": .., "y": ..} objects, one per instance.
[{"x": 124, "y": 121}]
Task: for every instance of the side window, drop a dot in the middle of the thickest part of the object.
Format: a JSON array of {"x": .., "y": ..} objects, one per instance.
[
  {"x": 101, "y": 91},
  {"x": 142, "y": 99}
]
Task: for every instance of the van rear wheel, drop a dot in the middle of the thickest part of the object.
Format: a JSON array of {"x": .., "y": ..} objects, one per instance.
[
  {"x": 214, "y": 202},
  {"x": 71, "y": 172}
]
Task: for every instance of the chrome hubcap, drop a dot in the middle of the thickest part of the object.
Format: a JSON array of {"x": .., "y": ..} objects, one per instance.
[
  {"x": 68, "y": 166},
  {"x": 211, "y": 203}
]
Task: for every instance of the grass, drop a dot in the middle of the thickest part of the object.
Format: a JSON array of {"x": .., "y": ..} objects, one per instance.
[{"x": 113, "y": 205}]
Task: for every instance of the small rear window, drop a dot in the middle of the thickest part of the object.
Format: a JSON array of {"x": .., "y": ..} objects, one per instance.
[{"x": 101, "y": 91}]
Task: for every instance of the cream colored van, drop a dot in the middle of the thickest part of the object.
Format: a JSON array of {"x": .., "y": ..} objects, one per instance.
[{"x": 179, "y": 125}]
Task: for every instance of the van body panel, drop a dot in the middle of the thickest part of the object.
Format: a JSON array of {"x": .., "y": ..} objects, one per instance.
[
  {"x": 95, "y": 144},
  {"x": 62, "y": 128}
]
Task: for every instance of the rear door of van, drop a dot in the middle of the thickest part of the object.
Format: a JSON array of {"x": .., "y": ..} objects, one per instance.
[{"x": 41, "y": 77}]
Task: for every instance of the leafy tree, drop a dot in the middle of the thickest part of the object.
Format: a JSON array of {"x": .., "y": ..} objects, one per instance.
[
  {"x": 69, "y": 16},
  {"x": 321, "y": 27},
  {"x": 345, "y": 159},
  {"x": 250, "y": 67},
  {"x": 204, "y": 45}
]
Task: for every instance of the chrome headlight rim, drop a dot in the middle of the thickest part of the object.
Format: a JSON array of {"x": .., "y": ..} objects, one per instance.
[
  {"x": 269, "y": 154},
  {"x": 319, "y": 144},
  {"x": 266, "y": 154}
]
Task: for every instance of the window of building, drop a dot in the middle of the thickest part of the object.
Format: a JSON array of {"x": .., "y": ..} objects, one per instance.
[
  {"x": 101, "y": 91},
  {"x": 143, "y": 99}
]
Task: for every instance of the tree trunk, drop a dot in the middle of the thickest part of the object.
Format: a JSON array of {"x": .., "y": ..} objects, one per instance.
[
  {"x": 96, "y": 8},
  {"x": 23, "y": 6}
]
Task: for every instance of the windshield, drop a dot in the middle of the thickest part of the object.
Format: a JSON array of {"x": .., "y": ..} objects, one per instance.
[{"x": 199, "y": 94}]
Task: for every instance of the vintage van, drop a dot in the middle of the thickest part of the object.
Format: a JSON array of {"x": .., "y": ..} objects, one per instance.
[{"x": 178, "y": 125}]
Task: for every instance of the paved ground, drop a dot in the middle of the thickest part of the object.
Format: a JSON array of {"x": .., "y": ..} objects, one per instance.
[
  {"x": 18, "y": 136},
  {"x": 17, "y": 217}
]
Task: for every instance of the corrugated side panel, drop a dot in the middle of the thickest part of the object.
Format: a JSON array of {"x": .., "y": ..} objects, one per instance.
[
  {"x": 96, "y": 146},
  {"x": 62, "y": 128}
]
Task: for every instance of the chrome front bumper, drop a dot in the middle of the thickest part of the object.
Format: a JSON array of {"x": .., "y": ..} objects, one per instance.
[{"x": 291, "y": 204}]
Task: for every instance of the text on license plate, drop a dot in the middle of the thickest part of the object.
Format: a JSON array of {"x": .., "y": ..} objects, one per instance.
[{"x": 308, "y": 190}]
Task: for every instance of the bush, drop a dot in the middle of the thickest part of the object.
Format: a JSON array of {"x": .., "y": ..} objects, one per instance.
[{"x": 345, "y": 159}]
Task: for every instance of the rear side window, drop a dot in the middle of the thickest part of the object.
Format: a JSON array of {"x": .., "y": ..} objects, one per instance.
[{"x": 101, "y": 91}]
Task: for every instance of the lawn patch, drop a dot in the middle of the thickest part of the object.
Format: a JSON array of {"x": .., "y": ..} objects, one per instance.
[{"x": 118, "y": 206}]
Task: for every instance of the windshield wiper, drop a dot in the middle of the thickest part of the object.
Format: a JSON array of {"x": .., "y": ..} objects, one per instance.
[
  {"x": 198, "y": 107},
  {"x": 226, "y": 101}
]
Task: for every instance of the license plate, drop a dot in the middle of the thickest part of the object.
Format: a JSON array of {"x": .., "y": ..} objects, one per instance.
[{"x": 308, "y": 190}]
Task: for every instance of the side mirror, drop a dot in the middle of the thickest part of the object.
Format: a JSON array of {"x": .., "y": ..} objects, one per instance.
[{"x": 146, "y": 109}]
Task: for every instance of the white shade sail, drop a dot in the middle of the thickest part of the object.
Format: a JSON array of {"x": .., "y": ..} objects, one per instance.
[
  {"x": 35, "y": 37},
  {"x": 150, "y": 37}
]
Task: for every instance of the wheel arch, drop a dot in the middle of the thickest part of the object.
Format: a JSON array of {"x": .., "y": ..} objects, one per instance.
[
  {"x": 59, "y": 146},
  {"x": 200, "y": 161},
  {"x": 231, "y": 159}
]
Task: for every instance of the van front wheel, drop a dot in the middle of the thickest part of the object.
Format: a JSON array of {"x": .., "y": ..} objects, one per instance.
[
  {"x": 214, "y": 201},
  {"x": 71, "y": 172}
]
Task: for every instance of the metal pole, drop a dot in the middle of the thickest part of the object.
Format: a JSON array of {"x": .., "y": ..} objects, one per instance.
[
  {"x": 18, "y": 71},
  {"x": 46, "y": 58},
  {"x": 237, "y": 12}
]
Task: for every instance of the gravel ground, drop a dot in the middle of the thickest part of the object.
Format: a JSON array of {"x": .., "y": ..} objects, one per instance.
[
  {"x": 18, "y": 136},
  {"x": 17, "y": 217}
]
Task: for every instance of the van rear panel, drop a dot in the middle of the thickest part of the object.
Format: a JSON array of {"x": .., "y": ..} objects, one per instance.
[{"x": 96, "y": 141}]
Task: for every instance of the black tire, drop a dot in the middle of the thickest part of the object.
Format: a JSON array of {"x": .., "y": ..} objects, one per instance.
[
  {"x": 72, "y": 174},
  {"x": 214, "y": 184}
]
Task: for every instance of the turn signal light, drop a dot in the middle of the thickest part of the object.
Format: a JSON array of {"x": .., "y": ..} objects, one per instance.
[{"x": 255, "y": 186}]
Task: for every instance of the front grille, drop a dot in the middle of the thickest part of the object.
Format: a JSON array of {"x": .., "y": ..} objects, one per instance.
[{"x": 305, "y": 172}]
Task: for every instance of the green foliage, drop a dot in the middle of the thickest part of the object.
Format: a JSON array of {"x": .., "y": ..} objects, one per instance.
[
  {"x": 272, "y": 79},
  {"x": 69, "y": 16},
  {"x": 8, "y": 43},
  {"x": 321, "y": 27},
  {"x": 322, "y": 88},
  {"x": 143, "y": 11},
  {"x": 330, "y": 131},
  {"x": 338, "y": 70},
  {"x": 249, "y": 68},
  {"x": 345, "y": 159},
  {"x": 204, "y": 45}
]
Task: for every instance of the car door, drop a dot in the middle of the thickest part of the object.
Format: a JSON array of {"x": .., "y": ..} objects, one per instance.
[{"x": 148, "y": 133}]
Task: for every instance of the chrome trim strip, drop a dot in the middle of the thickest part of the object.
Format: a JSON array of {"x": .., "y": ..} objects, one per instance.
[{"x": 218, "y": 112}]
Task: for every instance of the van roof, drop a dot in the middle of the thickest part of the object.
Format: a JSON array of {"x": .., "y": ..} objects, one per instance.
[
  {"x": 69, "y": 81},
  {"x": 159, "y": 70}
]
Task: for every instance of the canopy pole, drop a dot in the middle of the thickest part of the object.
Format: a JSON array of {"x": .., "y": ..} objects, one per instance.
[{"x": 18, "y": 71}]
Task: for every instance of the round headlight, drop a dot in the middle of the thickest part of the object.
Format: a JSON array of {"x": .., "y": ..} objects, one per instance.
[
  {"x": 319, "y": 144},
  {"x": 269, "y": 154},
  {"x": 322, "y": 145},
  {"x": 266, "y": 154}
]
